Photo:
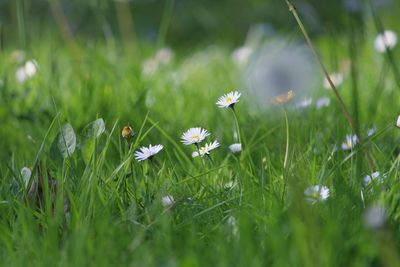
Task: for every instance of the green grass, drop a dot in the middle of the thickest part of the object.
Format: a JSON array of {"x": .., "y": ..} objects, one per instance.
[{"x": 273, "y": 224}]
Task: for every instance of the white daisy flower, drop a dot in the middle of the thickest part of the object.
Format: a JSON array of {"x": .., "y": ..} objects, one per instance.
[
  {"x": 316, "y": 193},
  {"x": 147, "y": 152},
  {"x": 323, "y": 102},
  {"x": 351, "y": 141},
  {"x": 304, "y": 102},
  {"x": 167, "y": 201},
  {"x": 398, "y": 122},
  {"x": 336, "y": 78},
  {"x": 235, "y": 148},
  {"x": 228, "y": 100},
  {"x": 194, "y": 136},
  {"x": 205, "y": 150},
  {"x": 375, "y": 177},
  {"x": 385, "y": 40}
]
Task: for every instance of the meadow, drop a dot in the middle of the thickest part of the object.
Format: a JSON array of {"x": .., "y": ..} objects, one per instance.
[{"x": 303, "y": 188}]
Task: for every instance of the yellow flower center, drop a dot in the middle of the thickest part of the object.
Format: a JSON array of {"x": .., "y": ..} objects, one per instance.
[
  {"x": 315, "y": 195},
  {"x": 228, "y": 99},
  {"x": 196, "y": 137}
]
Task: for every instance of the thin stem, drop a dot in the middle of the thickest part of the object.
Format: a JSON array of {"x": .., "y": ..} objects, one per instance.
[
  {"x": 237, "y": 125},
  {"x": 345, "y": 111},
  {"x": 287, "y": 141},
  {"x": 198, "y": 151},
  {"x": 209, "y": 157},
  {"x": 146, "y": 181},
  {"x": 292, "y": 9},
  {"x": 21, "y": 23},
  {"x": 165, "y": 22}
]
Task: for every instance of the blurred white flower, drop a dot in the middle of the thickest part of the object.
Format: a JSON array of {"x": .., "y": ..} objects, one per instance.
[
  {"x": 371, "y": 131},
  {"x": 235, "y": 148},
  {"x": 164, "y": 56},
  {"x": 205, "y": 150},
  {"x": 385, "y": 40},
  {"x": 323, "y": 102},
  {"x": 194, "y": 136},
  {"x": 336, "y": 78},
  {"x": 241, "y": 55},
  {"x": 232, "y": 222},
  {"x": 375, "y": 177},
  {"x": 167, "y": 201},
  {"x": 398, "y": 122},
  {"x": 28, "y": 70},
  {"x": 26, "y": 174},
  {"x": 147, "y": 152},
  {"x": 304, "y": 103},
  {"x": 374, "y": 217},
  {"x": 351, "y": 141},
  {"x": 316, "y": 193},
  {"x": 228, "y": 100},
  {"x": 149, "y": 66}
]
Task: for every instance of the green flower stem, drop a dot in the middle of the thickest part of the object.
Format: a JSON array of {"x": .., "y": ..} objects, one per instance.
[
  {"x": 146, "y": 181},
  {"x": 198, "y": 151},
  {"x": 237, "y": 125},
  {"x": 287, "y": 140}
]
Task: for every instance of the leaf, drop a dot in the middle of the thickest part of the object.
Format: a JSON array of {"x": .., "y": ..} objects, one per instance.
[
  {"x": 66, "y": 141},
  {"x": 94, "y": 129},
  {"x": 87, "y": 151},
  {"x": 26, "y": 175}
]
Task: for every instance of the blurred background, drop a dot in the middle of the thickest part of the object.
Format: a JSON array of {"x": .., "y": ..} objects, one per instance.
[
  {"x": 127, "y": 56},
  {"x": 179, "y": 23}
]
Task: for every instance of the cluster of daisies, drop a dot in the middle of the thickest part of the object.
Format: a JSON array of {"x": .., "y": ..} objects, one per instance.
[{"x": 193, "y": 136}]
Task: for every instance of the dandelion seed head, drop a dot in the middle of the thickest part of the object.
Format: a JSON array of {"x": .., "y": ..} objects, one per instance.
[{"x": 277, "y": 69}]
